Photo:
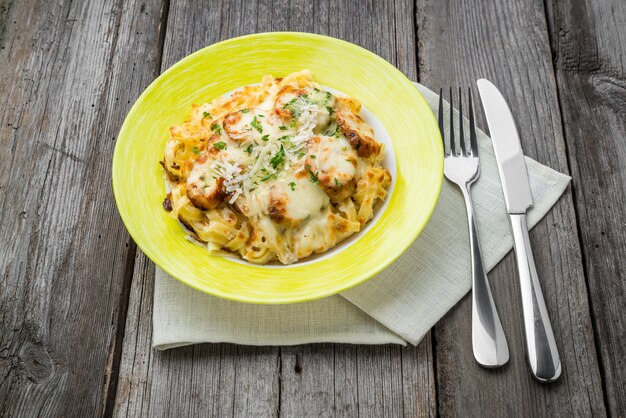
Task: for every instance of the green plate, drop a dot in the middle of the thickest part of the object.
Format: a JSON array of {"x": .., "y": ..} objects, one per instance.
[{"x": 138, "y": 180}]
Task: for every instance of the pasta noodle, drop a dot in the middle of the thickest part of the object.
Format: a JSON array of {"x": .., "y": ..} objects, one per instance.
[{"x": 275, "y": 171}]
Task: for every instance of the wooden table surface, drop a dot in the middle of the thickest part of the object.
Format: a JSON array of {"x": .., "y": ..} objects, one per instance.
[{"x": 76, "y": 293}]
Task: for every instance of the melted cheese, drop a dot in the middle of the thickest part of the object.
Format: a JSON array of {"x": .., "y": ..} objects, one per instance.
[
  {"x": 199, "y": 171},
  {"x": 333, "y": 157},
  {"x": 282, "y": 160},
  {"x": 289, "y": 198}
]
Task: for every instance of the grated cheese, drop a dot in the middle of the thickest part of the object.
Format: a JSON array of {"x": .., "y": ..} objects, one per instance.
[{"x": 238, "y": 180}]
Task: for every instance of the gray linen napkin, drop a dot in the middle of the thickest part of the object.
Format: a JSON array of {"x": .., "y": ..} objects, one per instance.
[{"x": 397, "y": 306}]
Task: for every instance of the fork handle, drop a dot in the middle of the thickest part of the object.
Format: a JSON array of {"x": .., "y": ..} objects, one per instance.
[
  {"x": 488, "y": 339},
  {"x": 543, "y": 354}
]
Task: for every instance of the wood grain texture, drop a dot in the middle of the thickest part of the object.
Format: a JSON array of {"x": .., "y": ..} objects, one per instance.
[
  {"x": 76, "y": 301},
  {"x": 507, "y": 42},
  {"x": 67, "y": 78},
  {"x": 589, "y": 42}
]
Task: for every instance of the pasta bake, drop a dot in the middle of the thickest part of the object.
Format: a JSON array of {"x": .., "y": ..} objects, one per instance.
[{"x": 275, "y": 171}]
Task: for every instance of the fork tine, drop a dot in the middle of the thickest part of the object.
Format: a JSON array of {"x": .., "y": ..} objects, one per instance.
[
  {"x": 461, "y": 134},
  {"x": 440, "y": 118},
  {"x": 452, "y": 142},
  {"x": 472, "y": 125}
]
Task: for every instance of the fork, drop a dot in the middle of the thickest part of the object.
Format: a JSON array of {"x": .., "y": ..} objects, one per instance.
[{"x": 462, "y": 167}]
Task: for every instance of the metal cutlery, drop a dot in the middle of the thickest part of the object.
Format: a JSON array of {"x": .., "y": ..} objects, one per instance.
[
  {"x": 543, "y": 355},
  {"x": 462, "y": 167}
]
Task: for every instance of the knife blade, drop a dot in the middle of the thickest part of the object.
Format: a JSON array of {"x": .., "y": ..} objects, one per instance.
[
  {"x": 506, "y": 144},
  {"x": 543, "y": 355}
]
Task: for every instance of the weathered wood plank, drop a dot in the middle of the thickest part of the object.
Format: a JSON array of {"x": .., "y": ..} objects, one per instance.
[
  {"x": 589, "y": 41},
  {"x": 345, "y": 380},
  {"x": 314, "y": 379},
  {"x": 419, "y": 388},
  {"x": 508, "y": 43},
  {"x": 133, "y": 387},
  {"x": 308, "y": 382},
  {"x": 66, "y": 81},
  {"x": 379, "y": 381}
]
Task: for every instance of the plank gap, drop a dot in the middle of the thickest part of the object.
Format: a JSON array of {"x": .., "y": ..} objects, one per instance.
[
  {"x": 280, "y": 381},
  {"x": 165, "y": 14},
  {"x": 418, "y": 57},
  {"x": 435, "y": 376},
  {"x": 115, "y": 353}
]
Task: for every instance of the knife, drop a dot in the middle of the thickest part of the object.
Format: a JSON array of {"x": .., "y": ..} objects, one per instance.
[{"x": 543, "y": 355}]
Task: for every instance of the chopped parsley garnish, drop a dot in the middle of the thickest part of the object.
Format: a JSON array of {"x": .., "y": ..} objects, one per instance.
[
  {"x": 313, "y": 156},
  {"x": 292, "y": 186},
  {"x": 206, "y": 115},
  {"x": 294, "y": 106},
  {"x": 196, "y": 150},
  {"x": 314, "y": 97},
  {"x": 220, "y": 145},
  {"x": 244, "y": 110},
  {"x": 249, "y": 149},
  {"x": 282, "y": 127},
  {"x": 269, "y": 176},
  {"x": 300, "y": 155},
  {"x": 314, "y": 177},
  {"x": 216, "y": 128},
  {"x": 256, "y": 125},
  {"x": 331, "y": 130},
  {"x": 278, "y": 158},
  {"x": 337, "y": 182},
  {"x": 265, "y": 137},
  {"x": 290, "y": 103}
]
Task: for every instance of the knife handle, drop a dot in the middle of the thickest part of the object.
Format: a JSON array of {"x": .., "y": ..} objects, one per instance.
[{"x": 543, "y": 354}]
